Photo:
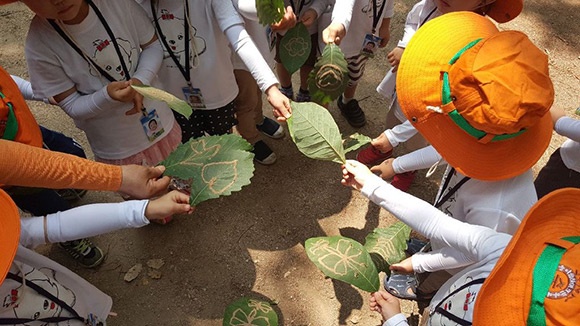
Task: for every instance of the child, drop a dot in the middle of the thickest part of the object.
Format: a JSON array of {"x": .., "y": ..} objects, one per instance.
[
  {"x": 308, "y": 11},
  {"x": 496, "y": 289},
  {"x": 366, "y": 22},
  {"x": 563, "y": 168},
  {"x": 198, "y": 62},
  {"x": 490, "y": 133},
  {"x": 85, "y": 55},
  {"x": 399, "y": 130}
]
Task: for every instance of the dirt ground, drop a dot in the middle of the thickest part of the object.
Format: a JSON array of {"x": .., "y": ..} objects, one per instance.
[{"x": 252, "y": 243}]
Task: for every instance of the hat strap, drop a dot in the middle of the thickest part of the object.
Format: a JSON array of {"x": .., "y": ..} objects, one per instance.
[
  {"x": 543, "y": 276},
  {"x": 11, "y": 128},
  {"x": 447, "y": 99}
]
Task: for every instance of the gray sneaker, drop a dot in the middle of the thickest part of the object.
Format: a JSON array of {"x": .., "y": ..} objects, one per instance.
[{"x": 84, "y": 251}]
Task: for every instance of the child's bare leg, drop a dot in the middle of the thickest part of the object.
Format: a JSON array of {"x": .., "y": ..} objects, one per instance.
[{"x": 284, "y": 76}]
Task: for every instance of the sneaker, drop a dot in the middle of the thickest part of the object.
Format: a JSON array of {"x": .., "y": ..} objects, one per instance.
[
  {"x": 352, "y": 112},
  {"x": 288, "y": 92},
  {"x": 403, "y": 181},
  {"x": 71, "y": 194},
  {"x": 84, "y": 251},
  {"x": 271, "y": 128},
  {"x": 372, "y": 156},
  {"x": 263, "y": 154},
  {"x": 303, "y": 96}
]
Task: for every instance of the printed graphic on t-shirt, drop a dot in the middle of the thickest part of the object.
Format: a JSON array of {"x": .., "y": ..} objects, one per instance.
[
  {"x": 461, "y": 304},
  {"x": 106, "y": 57}
]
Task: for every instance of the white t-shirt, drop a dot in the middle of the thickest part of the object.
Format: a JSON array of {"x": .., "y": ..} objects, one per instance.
[
  {"x": 258, "y": 33},
  {"x": 55, "y": 67},
  {"x": 570, "y": 150}
]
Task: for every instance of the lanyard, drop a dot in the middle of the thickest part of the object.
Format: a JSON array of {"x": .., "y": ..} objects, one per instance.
[
  {"x": 443, "y": 198},
  {"x": 48, "y": 295},
  {"x": 427, "y": 18},
  {"x": 102, "y": 71},
  {"x": 375, "y": 16},
  {"x": 449, "y": 315},
  {"x": 299, "y": 8},
  {"x": 185, "y": 71}
]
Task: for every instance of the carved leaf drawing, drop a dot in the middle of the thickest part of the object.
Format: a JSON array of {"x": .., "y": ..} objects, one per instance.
[{"x": 249, "y": 312}]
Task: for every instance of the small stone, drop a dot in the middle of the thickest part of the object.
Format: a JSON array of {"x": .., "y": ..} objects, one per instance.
[
  {"x": 154, "y": 274},
  {"x": 133, "y": 273},
  {"x": 355, "y": 319},
  {"x": 155, "y": 263},
  {"x": 286, "y": 274}
]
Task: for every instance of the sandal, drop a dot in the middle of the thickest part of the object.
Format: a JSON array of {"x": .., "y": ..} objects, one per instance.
[
  {"x": 415, "y": 245},
  {"x": 402, "y": 286}
]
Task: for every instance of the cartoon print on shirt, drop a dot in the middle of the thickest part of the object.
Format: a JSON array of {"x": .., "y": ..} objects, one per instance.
[
  {"x": 34, "y": 305},
  {"x": 463, "y": 301},
  {"x": 106, "y": 57}
]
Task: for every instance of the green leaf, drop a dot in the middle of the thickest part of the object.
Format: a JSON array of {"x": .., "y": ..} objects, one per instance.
[
  {"x": 179, "y": 106},
  {"x": 315, "y": 133},
  {"x": 248, "y": 312},
  {"x": 214, "y": 165},
  {"x": 355, "y": 141},
  {"x": 387, "y": 246},
  {"x": 295, "y": 48},
  {"x": 345, "y": 260},
  {"x": 329, "y": 77},
  {"x": 270, "y": 11}
]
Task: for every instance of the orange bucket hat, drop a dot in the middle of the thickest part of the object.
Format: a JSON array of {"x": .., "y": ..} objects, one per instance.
[
  {"x": 9, "y": 233},
  {"x": 479, "y": 96},
  {"x": 502, "y": 11},
  {"x": 537, "y": 279}
]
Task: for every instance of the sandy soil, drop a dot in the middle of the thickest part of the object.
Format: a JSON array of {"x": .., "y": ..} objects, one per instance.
[{"x": 251, "y": 243}]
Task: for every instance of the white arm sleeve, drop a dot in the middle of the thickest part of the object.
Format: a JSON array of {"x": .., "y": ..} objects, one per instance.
[
  {"x": 423, "y": 158},
  {"x": 568, "y": 127},
  {"x": 342, "y": 12},
  {"x": 80, "y": 107},
  {"x": 82, "y": 222},
  {"x": 25, "y": 88},
  {"x": 396, "y": 320},
  {"x": 149, "y": 63},
  {"x": 442, "y": 259},
  {"x": 400, "y": 133},
  {"x": 411, "y": 24}
]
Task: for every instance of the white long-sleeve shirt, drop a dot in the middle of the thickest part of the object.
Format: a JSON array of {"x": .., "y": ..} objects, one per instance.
[{"x": 570, "y": 150}]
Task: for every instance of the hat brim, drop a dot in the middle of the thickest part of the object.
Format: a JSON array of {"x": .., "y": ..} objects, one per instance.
[
  {"x": 9, "y": 233},
  {"x": 504, "y": 298},
  {"x": 502, "y": 11},
  {"x": 419, "y": 86}
]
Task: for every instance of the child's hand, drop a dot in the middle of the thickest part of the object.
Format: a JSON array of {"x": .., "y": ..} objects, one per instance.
[
  {"x": 405, "y": 266},
  {"x": 355, "y": 174},
  {"x": 385, "y": 170},
  {"x": 171, "y": 203},
  {"x": 287, "y": 22},
  {"x": 394, "y": 57},
  {"x": 309, "y": 17},
  {"x": 557, "y": 112},
  {"x": 334, "y": 33},
  {"x": 279, "y": 102},
  {"x": 382, "y": 143},
  {"x": 137, "y": 98},
  {"x": 121, "y": 91},
  {"x": 385, "y": 304},
  {"x": 142, "y": 181}
]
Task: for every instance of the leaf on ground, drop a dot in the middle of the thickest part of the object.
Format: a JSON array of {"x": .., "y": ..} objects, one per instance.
[
  {"x": 345, "y": 260},
  {"x": 214, "y": 165},
  {"x": 387, "y": 245},
  {"x": 295, "y": 48},
  {"x": 269, "y": 11},
  {"x": 249, "y": 312},
  {"x": 354, "y": 142},
  {"x": 179, "y": 106},
  {"x": 315, "y": 133},
  {"x": 155, "y": 263},
  {"x": 133, "y": 272},
  {"x": 329, "y": 77}
]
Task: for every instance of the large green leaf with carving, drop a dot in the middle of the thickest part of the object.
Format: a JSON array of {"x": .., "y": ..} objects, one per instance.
[
  {"x": 387, "y": 246},
  {"x": 315, "y": 133},
  {"x": 329, "y": 77},
  {"x": 250, "y": 312},
  {"x": 214, "y": 166},
  {"x": 344, "y": 259},
  {"x": 295, "y": 48},
  {"x": 270, "y": 11},
  {"x": 179, "y": 106}
]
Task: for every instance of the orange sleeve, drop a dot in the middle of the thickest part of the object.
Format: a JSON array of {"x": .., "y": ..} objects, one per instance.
[{"x": 24, "y": 165}]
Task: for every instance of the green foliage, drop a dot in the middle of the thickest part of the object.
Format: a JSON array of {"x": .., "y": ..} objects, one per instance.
[
  {"x": 270, "y": 11},
  {"x": 214, "y": 166},
  {"x": 174, "y": 103},
  {"x": 315, "y": 133},
  {"x": 329, "y": 77},
  {"x": 354, "y": 142},
  {"x": 295, "y": 48},
  {"x": 345, "y": 260},
  {"x": 250, "y": 312},
  {"x": 387, "y": 246}
]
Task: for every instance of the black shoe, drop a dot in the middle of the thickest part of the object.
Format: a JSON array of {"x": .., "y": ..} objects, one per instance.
[
  {"x": 352, "y": 112},
  {"x": 263, "y": 154},
  {"x": 271, "y": 128}
]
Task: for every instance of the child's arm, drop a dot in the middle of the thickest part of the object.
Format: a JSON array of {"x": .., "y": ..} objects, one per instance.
[
  {"x": 26, "y": 89},
  {"x": 91, "y": 220},
  {"x": 385, "y": 32},
  {"x": 567, "y": 126},
  {"x": 423, "y": 158}
]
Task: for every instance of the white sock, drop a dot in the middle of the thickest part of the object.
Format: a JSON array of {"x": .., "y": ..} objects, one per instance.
[{"x": 346, "y": 99}]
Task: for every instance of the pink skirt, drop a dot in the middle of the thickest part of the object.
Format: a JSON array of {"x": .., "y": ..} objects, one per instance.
[{"x": 154, "y": 154}]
